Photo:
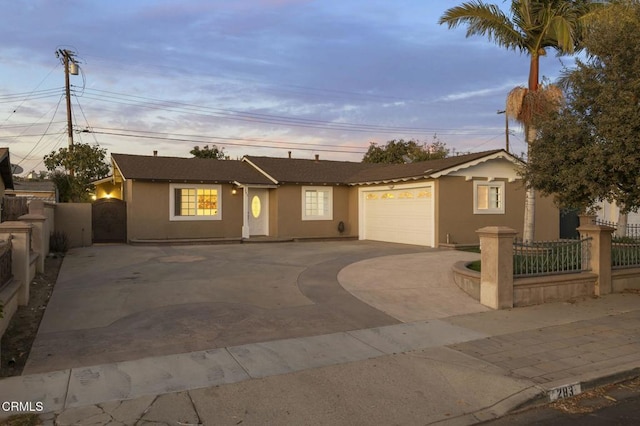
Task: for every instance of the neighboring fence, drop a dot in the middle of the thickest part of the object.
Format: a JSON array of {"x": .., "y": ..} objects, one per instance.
[
  {"x": 13, "y": 208},
  {"x": 632, "y": 230},
  {"x": 5, "y": 263},
  {"x": 550, "y": 257}
]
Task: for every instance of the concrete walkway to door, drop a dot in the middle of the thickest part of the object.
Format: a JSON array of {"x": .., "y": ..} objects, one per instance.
[{"x": 116, "y": 303}]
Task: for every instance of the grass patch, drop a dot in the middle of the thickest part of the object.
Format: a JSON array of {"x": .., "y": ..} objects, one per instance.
[{"x": 474, "y": 266}]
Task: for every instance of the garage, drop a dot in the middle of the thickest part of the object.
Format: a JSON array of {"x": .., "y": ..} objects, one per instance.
[{"x": 398, "y": 214}]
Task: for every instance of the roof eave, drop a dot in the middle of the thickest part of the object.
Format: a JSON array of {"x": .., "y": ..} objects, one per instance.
[
  {"x": 467, "y": 164},
  {"x": 393, "y": 180}
]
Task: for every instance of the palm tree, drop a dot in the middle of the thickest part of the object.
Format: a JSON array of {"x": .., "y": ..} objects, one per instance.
[{"x": 532, "y": 27}]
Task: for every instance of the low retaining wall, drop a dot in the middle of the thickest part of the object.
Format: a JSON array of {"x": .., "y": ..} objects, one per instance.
[
  {"x": 552, "y": 288},
  {"x": 543, "y": 289},
  {"x": 625, "y": 279},
  {"x": 467, "y": 279},
  {"x": 9, "y": 298}
]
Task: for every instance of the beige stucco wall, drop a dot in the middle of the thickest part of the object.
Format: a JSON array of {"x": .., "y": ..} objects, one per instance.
[
  {"x": 352, "y": 225},
  {"x": 454, "y": 212},
  {"x": 286, "y": 214},
  {"x": 74, "y": 219},
  {"x": 148, "y": 214},
  {"x": 273, "y": 212}
]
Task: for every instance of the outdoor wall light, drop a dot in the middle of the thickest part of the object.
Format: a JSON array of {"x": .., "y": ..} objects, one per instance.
[{"x": 234, "y": 191}]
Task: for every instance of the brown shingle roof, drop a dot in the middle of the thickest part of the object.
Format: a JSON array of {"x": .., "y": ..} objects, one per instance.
[
  {"x": 296, "y": 170},
  {"x": 419, "y": 169},
  {"x": 282, "y": 170},
  {"x": 176, "y": 169},
  {"x": 5, "y": 168}
]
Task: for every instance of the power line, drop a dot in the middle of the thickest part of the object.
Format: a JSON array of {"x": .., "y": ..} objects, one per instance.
[
  {"x": 268, "y": 144},
  {"x": 27, "y": 95},
  {"x": 270, "y": 87},
  {"x": 41, "y": 96},
  {"x": 15, "y": 126},
  {"x": 86, "y": 121},
  {"x": 151, "y": 103},
  {"x": 45, "y": 132},
  {"x": 153, "y": 134}
]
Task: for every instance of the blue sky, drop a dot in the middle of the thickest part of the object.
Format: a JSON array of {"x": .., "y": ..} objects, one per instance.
[{"x": 258, "y": 77}]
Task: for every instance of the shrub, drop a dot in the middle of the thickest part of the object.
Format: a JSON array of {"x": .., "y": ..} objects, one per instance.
[{"x": 59, "y": 242}]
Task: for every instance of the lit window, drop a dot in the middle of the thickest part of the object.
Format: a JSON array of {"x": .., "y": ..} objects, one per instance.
[
  {"x": 317, "y": 203},
  {"x": 488, "y": 197},
  {"x": 194, "y": 202}
]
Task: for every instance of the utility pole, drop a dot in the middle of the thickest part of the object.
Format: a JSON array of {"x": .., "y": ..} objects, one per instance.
[
  {"x": 70, "y": 67},
  {"x": 506, "y": 127}
]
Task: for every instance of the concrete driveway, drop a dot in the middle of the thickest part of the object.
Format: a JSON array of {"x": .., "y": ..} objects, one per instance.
[{"x": 116, "y": 302}]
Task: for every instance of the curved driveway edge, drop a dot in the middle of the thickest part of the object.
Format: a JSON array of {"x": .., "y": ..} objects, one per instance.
[{"x": 411, "y": 287}]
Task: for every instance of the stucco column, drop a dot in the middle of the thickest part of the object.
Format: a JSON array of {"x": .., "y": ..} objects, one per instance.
[
  {"x": 587, "y": 219},
  {"x": 39, "y": 237},
  {"x": 246, "y": 233},
  {"x": 599, "y": 259},
  {"x": 20, "y": 235},
  {"x": 496, "y": 276}
]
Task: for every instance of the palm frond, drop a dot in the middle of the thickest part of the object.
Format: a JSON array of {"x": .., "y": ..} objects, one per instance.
[{"x": 484, "y": 19}]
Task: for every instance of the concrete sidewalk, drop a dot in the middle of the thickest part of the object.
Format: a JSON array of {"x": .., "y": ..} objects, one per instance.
[{"x": 458, "y": 370}]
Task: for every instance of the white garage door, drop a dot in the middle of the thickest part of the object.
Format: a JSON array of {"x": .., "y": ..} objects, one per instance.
[{"x": 400, "y": 215}]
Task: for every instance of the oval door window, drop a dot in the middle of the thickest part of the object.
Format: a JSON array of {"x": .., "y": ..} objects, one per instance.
[{"x": 256, "y": 206}]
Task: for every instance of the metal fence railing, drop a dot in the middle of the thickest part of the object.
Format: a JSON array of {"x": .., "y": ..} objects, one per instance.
[
  {"x": 632, "y": 229},
  {"x": 625, "y": 252},
  {"x": 550, "y": 257}
]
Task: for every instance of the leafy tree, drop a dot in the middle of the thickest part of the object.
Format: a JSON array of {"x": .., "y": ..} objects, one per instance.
[
  {"x": 531, "y": 27},
  {"x": 73, "y": 170},
  {"x": 588, "y": 151},
  {"x": 206, "y": 152},
  {"x": 401, "y": 151}
]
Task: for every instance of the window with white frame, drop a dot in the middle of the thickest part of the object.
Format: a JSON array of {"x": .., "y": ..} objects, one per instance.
[
  {"x": 195, "y": 202},
  {"x": 317, "y": 203},
  {"x": 488, "y": 197}
]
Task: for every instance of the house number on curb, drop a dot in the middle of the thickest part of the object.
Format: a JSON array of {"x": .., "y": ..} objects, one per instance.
[{"x": 566, "y": 391}]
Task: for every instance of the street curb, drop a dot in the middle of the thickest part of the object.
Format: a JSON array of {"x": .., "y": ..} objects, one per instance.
[
  {"x": 531, "y": 395},
  {"x": 541, "y": 397},
  {"x": 612, "y": 378}
]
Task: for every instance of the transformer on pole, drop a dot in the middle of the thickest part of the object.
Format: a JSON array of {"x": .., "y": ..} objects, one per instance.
[{"x": 70, "y": 67}]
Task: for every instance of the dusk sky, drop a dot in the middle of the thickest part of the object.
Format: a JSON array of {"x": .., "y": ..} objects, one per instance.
[{"x": 257, "y": 77}]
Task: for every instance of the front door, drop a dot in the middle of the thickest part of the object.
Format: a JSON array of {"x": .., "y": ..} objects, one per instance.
[{"x": 258, "y": 211}]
